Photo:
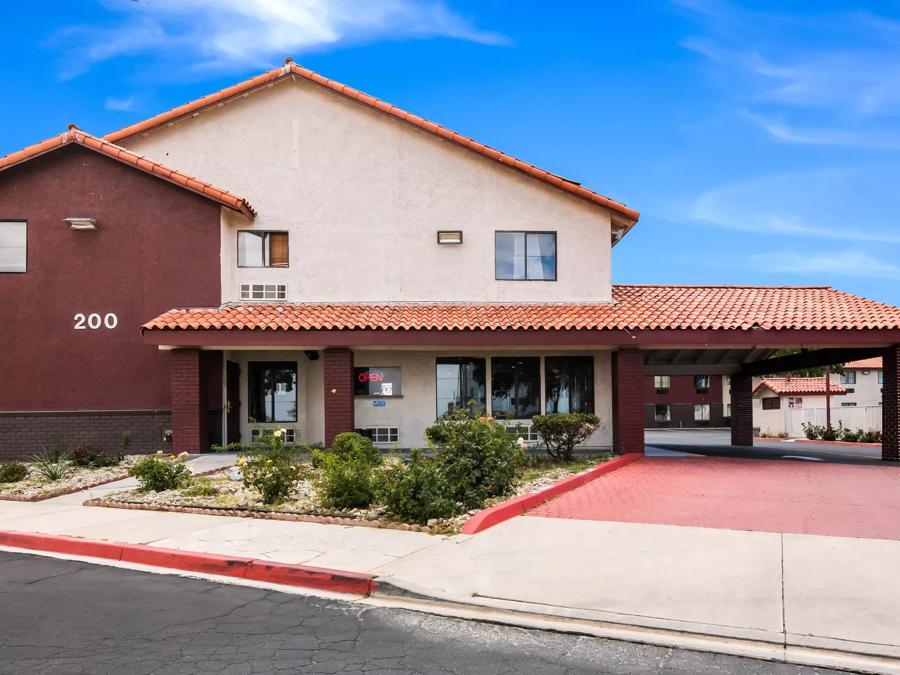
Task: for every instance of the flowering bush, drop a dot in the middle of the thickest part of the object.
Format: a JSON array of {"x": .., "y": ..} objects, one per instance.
[
  {"x": 561, "y": 432},
  {"x": 476, "y": 455},
  {"x": 270, "y": 469},
  {"x": 159, "y": 472}
]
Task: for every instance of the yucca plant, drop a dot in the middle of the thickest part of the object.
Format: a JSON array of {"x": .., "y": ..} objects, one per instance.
[{"x": 52, "y": 465}]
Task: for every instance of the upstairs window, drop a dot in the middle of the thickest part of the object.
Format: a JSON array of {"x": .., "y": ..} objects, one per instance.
[
  {"x": 525, "y": 256},
  {"x": 661, "y": 383},
  {"x": 848, "y": 377},
  {"x": 262, "y": 249},
  {"x": 12, "y": 246},
  {"x": 701, "y": 384},
  {"x": 880, "y": 377}
]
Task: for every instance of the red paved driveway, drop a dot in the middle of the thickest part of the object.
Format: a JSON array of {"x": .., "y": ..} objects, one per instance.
[{"x": 742, "y": 494}]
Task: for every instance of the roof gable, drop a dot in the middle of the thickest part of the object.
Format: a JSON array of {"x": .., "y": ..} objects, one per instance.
[
  {"x": 625, "y": 216},
  {"x": 782, "y": 386},
  {"x": 74, "y": 135}
]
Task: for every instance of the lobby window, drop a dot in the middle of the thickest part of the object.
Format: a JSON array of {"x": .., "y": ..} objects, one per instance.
[
  {"x": 701, "y": 384},
  {"x": 13, "y": 252},
  {"x": 273, "y": 391},
  {"x": 516, "y": 386},
  {"x": 795, "y": 402},
  {"x": 569, "y": 384},
  {"x": 262, "y": 249},
  {"x": 525, "y": 256},
  {"x": 771, "y": 403},
  {"x": 661, "y": 383},
  {"x": 662, "y": 413},
  {"x": 701, "y": 412},
  {"x": 460, "y": 381},
  {"x": 848, "y": 377},
  {"x": 376, "y": 381}
]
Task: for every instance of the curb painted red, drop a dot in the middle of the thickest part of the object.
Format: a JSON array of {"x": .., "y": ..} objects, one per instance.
[
  {"x": 806, "y": 441},
  {"x": 519, "y": 505},
  {"x": 307, "y": 576}
]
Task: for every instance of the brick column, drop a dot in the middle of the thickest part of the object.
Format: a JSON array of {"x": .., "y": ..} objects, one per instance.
[
  {"x": 628, "y": 401},
  {"x": 890, "y": 406},
  {"x": 189, "y": 415},
  {"x": 338, "y": 367},
  {"x": 741, "y": 409}
]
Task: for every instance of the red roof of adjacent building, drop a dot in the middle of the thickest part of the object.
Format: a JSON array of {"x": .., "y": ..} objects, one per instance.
[
  {"x": 798, "y": 385},
  {"x": 104, "y": 147},
  {"x": 865, "y": 364},
  {"x": 291, "y": 69},
  {"x": 634, "y": 307}
]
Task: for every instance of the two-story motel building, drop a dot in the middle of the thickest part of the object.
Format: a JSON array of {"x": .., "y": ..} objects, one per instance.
[{"x": 291, "y": 252}]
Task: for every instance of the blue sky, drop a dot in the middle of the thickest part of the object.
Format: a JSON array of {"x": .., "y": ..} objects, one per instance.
[{"x": 760, "y": 141}]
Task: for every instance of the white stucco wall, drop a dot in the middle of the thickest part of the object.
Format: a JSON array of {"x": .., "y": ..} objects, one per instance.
[
  {"x": 363, "y": 195},
  {"x": 866, "y": 391}
]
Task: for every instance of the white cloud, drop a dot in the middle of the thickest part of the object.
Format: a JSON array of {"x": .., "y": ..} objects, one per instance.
[
  {"x": 825, "y": 264},
  {"x": 235, "y": 34},
  {"x": 119, "y": 104}
]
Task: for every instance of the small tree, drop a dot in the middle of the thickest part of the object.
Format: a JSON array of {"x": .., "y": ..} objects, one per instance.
[{"x": 561, "y": 432}]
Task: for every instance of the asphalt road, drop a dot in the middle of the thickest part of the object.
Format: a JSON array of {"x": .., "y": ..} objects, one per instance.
[
  {"x": 716, "y": 443},
  {"x": 60, "y": 616}
]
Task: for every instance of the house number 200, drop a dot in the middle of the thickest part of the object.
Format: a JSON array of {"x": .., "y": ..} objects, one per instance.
[{"x": 95, "y": 321}]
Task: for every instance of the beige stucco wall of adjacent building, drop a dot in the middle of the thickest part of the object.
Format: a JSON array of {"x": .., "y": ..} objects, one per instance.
[
  {"x": 866, "y": 390},
  {"x": 363, "y": 196}
]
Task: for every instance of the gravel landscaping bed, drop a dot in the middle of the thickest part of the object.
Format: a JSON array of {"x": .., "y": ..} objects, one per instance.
[
  {"x": 223, "y": 493},
  {"x": 34, "y": 487}
]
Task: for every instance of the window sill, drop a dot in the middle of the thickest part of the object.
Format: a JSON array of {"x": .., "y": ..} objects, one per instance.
[{"x": 377, "y": 396}]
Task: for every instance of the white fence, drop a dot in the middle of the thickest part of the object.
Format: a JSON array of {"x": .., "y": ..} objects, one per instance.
[{"x": 791, "y": 420}]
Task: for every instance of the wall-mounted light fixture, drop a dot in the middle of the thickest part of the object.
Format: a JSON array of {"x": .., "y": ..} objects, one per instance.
[
  {"x": 81, "y": 223},
  {"x": 449, "y": 236}
]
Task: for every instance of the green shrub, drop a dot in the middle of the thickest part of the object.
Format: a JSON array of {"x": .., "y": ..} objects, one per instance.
[
  {"x": 200, "y": 487},
  {"x": 352, "y": 443},
  {"x": 851, "y": 436},
  {"x": 417, "y": 491},
  {"x": 12, "y": 472},
  {"x": 561, "y": 432},
  {"x": 52, "y": 464},
  {"x": 477, "y": 457},
  {"x": 812, "y": 431},
  {"x": 271, "y": 470},
  {"x": 870, "y": 437},
  {"x": 344, "y": 481},
  {"x": 157, "y": 474},
  {"x": 831, "y": 433},
  {"x": 90, "y": 456}
]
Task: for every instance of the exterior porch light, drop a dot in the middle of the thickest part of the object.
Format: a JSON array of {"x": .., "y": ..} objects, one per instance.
[
  {"x": 454, "y": 237},
  {"x": 82, "y": 223}
]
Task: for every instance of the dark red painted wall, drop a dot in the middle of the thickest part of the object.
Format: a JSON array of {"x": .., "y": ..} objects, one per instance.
[
  {"x": 681, "y": 390},
  {"x": 157, "y": 247}
]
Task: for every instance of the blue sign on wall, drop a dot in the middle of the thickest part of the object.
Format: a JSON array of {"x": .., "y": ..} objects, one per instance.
[{"x": 377, "y": 403}]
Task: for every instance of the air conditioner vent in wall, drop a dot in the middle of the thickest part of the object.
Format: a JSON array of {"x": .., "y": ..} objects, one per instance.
[{"x": 262, "y": 292}]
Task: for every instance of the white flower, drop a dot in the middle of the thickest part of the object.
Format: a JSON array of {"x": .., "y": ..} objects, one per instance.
[
  {"x": 521, "y": 443},
  {"x": 277, "y": 433}
]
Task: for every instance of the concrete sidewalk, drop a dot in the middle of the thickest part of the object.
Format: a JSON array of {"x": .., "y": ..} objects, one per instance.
[{"x": 780, "y": 589}]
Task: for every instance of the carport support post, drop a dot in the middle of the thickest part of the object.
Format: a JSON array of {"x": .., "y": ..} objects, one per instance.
[
  {"x": 741, "y": 409},
  {"x": 890, "y": 405},
  {"x": 628, "y": 401},
  {"x": 188, "y": 391}
]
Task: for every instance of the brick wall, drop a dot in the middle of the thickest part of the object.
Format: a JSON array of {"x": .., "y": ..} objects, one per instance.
[
  {"x": 741, "y": 410},
  {"x": 189, "y": 414},
  {"x": 628, "y": 401},
  {"x": 890, "y": 410},
  {"x": 26, "y": 433},
  {"x": 338, "y": 376}
]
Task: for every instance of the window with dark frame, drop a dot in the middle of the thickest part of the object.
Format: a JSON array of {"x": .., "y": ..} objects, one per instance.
[
  {"x": 701, "y": 384},
  {"x": 262, "y": 249},
  {"x": 515, "y": 386},
  {"x": 13, "y": 246},
  {"x": 569, "y": 384},
  {"x": 662, "y": 413},
  {"x": 525, "y": 256},
  {"x": 376, "y": 381},
  {"x": 460, "y": 382},
  {"x": 771, "y": 403},
  {"x": 272, "y": 391}
]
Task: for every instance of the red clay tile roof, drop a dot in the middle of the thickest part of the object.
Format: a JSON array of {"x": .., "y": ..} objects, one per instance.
[
  {"x": 104, "y": 147},
  {"x": 874, "y": 363},
  {"x": 798, "y": 385},
  {"x": 291, "y": 69},
  {"x": 634, "y": 307}
]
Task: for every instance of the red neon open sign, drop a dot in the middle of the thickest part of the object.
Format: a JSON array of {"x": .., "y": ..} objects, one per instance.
[{"x": 371, "y": 376}]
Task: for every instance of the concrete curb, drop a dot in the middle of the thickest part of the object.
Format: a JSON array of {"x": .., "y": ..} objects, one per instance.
[
  {"x": 61, "y": 493},
  {"x": 319, "y": 578},
  {"x": 519, "y": 505}
]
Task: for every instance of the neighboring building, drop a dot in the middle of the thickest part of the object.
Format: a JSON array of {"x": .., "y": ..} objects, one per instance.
[
  {"x": 685, "y": 401},
  {"x": 391, "y": 270},
  {"x": 863, "y": 381},
  {"x": 778, "y": 400}
]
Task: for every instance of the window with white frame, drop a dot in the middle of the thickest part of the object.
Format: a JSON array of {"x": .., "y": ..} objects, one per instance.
[
  {"x": 661, "y": 383},
  {"x": 701, "y": 412},
  {"x": 13, "y": 250},
  {"x": 263, "y": 292},
  {"x": 524, "y": 431},
  {"x": 262, "y": 249},
  {"x": 848, "y": 377},
  {"x": 381, "y": 434},
  {"x": 289, "y": 435}
]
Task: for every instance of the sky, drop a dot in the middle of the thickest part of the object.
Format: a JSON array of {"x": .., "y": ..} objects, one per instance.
[{"x": 759, "y": 140}]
